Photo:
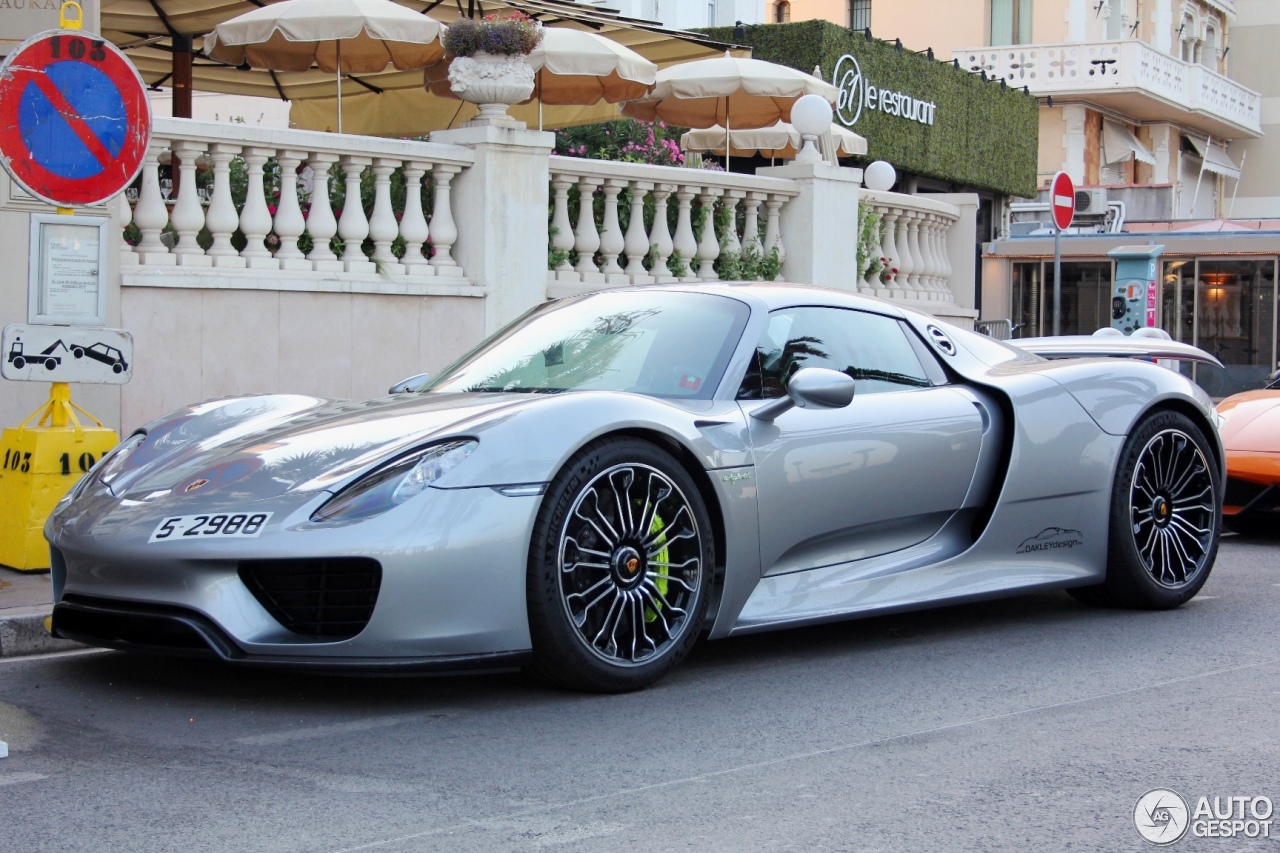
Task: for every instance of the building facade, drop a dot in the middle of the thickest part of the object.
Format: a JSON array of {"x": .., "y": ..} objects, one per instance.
[{"x": 1161, "y": 112}]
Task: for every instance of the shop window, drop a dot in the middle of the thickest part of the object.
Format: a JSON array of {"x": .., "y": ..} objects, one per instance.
[
  {"x": 1236, "y": 321},
  {"x": 859, "y": 14},
  {"x": 1010, "y": 22},
  {"x": 1026, "y": 300},
  {"x": 781, "y": 12}
]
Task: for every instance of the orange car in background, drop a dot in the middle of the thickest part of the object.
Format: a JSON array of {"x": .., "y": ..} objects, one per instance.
[{"x": 1251, "y": 436}]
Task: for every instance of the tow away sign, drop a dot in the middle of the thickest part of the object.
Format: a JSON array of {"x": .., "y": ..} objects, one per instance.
[{"x": 67, "y": 354}]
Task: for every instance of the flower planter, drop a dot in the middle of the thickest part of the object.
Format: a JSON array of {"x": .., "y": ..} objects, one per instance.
[{"x": 492, "y": 82}]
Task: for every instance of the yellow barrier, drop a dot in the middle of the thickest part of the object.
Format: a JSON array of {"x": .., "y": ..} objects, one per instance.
[{"x": 40, "y": 464}]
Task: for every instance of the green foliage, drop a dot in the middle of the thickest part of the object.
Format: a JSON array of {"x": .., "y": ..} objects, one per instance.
[
  {"x": 749, "y": 264},
  {"x": 677, "y": 264},
  {"x": 983, "y": 136},
  {"x": 555, "y": 257},
  {"x": 627, "y": 140},
  {"x": 870, "y": 238}
]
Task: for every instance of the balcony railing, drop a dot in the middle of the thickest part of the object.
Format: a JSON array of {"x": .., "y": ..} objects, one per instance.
[
  {"x": 914, "y": 247},
  {"x": 734, "y": 214},
  {"x": 267, "y": 227},
  {"x": 1106, "y": 70}
]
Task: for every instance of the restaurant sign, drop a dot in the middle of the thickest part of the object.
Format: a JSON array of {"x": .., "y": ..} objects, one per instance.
[{"x": 857, "y": 93}]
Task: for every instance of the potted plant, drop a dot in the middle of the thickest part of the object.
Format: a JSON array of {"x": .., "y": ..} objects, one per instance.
[{"x": 488, "y": 67}]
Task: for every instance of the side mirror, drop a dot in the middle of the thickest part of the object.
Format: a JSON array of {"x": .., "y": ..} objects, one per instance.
[
  {"x": 413, "y": 383},
  {"x": 811, "y": 388}
]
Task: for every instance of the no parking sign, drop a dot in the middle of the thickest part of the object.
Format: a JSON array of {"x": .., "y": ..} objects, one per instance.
[{"x": 74, "y": 118}]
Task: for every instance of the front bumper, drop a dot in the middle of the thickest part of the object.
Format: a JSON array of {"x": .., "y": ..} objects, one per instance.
[{"x": 451, "y": 595}]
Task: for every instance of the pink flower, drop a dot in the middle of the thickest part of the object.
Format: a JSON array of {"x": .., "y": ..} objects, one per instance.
[{"x": 271, "y": 208}]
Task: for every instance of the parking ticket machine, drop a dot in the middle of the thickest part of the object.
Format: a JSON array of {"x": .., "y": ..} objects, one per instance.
[{"x": 1134, "y": 297}]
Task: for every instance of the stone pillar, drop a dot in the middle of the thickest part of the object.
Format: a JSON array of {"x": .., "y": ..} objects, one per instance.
[
  {"x": 500, "y": 208},
  {"x": 820, "y": 226}
]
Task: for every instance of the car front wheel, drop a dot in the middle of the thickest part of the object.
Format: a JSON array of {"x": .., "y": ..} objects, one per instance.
[{"x": 619, "y": 568}]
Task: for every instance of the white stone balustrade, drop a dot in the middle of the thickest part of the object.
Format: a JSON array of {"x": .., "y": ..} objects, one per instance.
[
  {"x": 272, "y": 226},
  {"x": 692, "y": 253},
  {"x": 1214, "y": 103},
  {"x": 916, "y": 234}
]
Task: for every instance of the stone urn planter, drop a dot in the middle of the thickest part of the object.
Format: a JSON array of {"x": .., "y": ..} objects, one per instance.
[{"x": 493, "y": 82}]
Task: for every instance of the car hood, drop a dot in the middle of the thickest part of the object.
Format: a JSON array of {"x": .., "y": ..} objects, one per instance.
[
  {"x": 266, "y": 445},
  {"x": 1251, "y": 421}
]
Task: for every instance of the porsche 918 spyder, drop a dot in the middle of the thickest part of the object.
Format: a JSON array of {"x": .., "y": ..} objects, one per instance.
[{"x": 616, "y": 474}]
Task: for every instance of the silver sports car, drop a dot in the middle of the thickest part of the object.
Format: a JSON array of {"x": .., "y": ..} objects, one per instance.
[{"x": 615, "y": 474}]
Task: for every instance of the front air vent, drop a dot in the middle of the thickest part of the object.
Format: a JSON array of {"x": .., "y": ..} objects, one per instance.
[{"x": 331, "y": 598}]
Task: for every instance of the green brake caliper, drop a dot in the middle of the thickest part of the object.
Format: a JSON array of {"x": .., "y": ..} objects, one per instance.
[{"x": 662, "y": 571}]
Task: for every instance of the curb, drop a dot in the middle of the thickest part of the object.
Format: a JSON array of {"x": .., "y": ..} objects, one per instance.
[{"x": 22, "y": 633}]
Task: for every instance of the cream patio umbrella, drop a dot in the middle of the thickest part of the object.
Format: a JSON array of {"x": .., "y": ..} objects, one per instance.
[
  {"x": 339, "y": 36},
  {"x": 572, "y": 68},
  {"x": 730, "y": 91},
  {"x": 781, "y": 140}
]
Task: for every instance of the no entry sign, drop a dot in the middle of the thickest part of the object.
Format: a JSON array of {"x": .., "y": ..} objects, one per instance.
[
  {"x": 74, "y": 118},
  {"x": 1062, "y": 200}
]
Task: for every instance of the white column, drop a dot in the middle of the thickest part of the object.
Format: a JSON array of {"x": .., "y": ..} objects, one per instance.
[
  {"x": 321, "y": 224},
  {"x": 751, "y": 222},
  {"x": 586, "y": 237},
  {"x": 684, "y": 241},
  {"x": 383, "y": 228},
  {"x": 128, "y": 257},
  {"x": 221, "y": 218},
  {"x": 1163, "y": 20},
  {"x": 945, "y": 268},
  {"x": 151, "y": 216},
  {"x": 188, "y": 214},
  {"x": 915, "y": 282},
  {"x": 906, "y": 265},
  {"x": 773, "y": 227},
  {"x": 928, "y": 275},
  {"x": 660, "y": 234},
  {"x": 637, "y": 241},
  {"x": 611, "y": 240},
  {"x": 353, "y": 225},
  {"x": 1073, "y": 142},
  {"x": 884, "y": 287},
  {"x": 289, "y": 224},
  {"x": 255, "y": 219},
  {"x": 709, "y": 245},
  {"x": 561, "y": 228},
  {"x": 444, "y": 231},
  {"x": 413, "y": 224}
]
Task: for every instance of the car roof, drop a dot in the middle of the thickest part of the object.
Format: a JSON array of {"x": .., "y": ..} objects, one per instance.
[{"x": 772, "y": 295}]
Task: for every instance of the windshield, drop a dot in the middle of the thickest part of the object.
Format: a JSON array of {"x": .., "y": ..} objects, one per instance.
[{"x": 659, "y": 343}]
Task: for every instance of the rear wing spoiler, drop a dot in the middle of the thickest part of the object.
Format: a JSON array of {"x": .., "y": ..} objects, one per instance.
[{"x": 1094, "y": 346}]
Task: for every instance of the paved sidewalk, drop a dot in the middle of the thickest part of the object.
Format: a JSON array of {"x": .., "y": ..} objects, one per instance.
[{"x": 26, "y": 600}]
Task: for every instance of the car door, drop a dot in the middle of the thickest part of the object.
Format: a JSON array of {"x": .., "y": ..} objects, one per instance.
[{"x": 879, "y": 475}]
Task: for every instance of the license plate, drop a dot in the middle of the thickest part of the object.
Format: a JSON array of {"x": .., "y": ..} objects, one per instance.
[{"x": 240, "y": 525}]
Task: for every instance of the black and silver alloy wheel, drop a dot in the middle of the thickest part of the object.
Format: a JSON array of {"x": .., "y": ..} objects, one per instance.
[
  {"x": 1171, "y": 500},
  {"x": 619, "y": 568},
  {"x": 630, "y": 563},
  {"x": 1166, "y": 517}
]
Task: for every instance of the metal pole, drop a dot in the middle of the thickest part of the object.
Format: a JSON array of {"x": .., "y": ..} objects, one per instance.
[{"x": 1057, "y": 281}]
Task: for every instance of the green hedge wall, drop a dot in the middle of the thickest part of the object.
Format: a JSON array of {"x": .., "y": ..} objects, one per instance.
[{"x": 983, "y": 136}]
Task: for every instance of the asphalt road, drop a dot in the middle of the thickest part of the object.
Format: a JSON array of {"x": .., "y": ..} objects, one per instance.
[{"x": 1033, "y": 723}]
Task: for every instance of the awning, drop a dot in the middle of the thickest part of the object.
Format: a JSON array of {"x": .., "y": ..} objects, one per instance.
[
  {"x": 1215, "y": 159},
  {"x": 1119, "y": 144}
]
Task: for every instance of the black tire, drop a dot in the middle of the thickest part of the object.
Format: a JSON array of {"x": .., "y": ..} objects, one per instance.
[
  {"x": 621, "y": 621},
  {"x": 19, "y": 362},
  {"x": 1166, "y": 517},
  {"x": 78, "y": 352},
  {"x": 50, "y": 364}
]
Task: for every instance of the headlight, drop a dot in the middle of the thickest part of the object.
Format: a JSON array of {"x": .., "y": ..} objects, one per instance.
[{"x": 395, "y": 482}]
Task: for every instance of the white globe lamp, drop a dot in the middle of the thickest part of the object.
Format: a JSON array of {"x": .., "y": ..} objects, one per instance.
[
  {"x": 811, "y": 117},
  {"x": 879, "y": 176}
]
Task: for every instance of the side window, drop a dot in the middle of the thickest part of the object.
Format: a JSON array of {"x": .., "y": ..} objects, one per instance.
[{"x": 871, "y": 348}]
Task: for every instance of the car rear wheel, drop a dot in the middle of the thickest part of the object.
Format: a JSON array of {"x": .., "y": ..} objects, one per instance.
[
  {"x": 1166, "y": 506},
  {"x": 619, "y": 568}
]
